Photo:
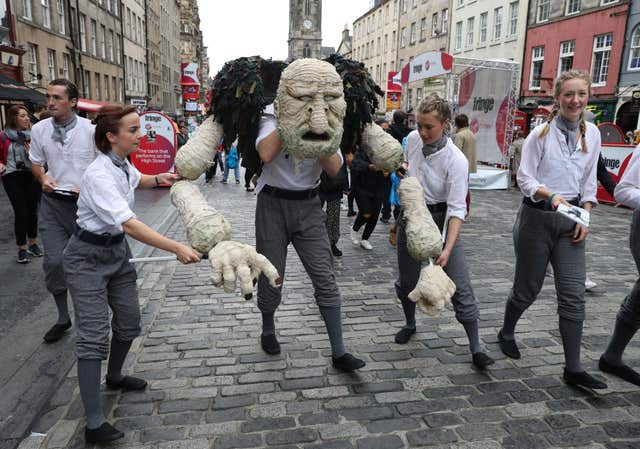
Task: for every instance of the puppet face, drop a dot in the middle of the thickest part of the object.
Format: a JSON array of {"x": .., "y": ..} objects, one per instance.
[{"x": 310, "y": 108}]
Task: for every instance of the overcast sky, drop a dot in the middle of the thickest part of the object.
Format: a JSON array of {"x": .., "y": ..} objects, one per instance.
[{"x": 235, "y": 28}]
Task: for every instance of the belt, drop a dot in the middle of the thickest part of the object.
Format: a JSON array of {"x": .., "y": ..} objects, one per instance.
[
  {"x": 63, "y": 197},
  {"x": 98, "y": 239},
  {"x": 545, "y": 205},
  {"x": 437, "y": 208},
  {"x": 289, "y": 194}
]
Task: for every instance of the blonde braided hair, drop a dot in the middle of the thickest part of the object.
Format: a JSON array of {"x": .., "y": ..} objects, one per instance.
[{"x": 557, "y": 87}]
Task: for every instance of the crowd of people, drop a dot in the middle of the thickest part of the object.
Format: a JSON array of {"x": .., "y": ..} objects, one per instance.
[{"x": 71, "y": 186}]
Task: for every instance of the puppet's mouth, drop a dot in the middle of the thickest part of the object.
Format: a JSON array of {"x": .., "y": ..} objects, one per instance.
[{"x": 316, "y": 137}]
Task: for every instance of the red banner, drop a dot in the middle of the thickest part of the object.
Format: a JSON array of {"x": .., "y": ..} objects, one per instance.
[
  {"x": 190, "y": 92},
  {"x": 158, "y": 146},
  {"x": 391, "y": 86}
]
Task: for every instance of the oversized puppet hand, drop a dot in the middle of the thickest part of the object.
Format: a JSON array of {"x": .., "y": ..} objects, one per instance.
[
  {"x": 195, "y": 156},
  {"x": 424, "y": 240},
  {"x": 310, "y": 108},
  {"x": 206, "y": 227},
  {"x": 232, "y": 260},
  {"x": 383, "y": 150},
  {"x": 434, "y": 289}
]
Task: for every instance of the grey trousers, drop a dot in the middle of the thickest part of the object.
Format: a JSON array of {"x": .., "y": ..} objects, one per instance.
[
  {"x": 464, "y": 300},
  {"x": 630, "y": 307},
  {"x": 540, "y": 237},
  {"x": 56, "y": 222},
  {"x": 301, "y": 222},
  {"x": 99, "y": 278}
]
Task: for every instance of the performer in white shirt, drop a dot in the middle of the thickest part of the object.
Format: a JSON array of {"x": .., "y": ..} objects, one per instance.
[
  {"x": 559, "y": 163},
  {"x": 64, "y": 143},
  {"x": 96, "y": 262},
  {"x": 628, "y": 320},
  {"x": 443, "y": 172}
]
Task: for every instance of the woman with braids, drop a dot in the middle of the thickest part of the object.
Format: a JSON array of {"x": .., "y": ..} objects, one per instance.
[
  {"x": 443, "y": 172},
  {"x": 558, "y": 166},
  {"x": 96, "y": 262}
]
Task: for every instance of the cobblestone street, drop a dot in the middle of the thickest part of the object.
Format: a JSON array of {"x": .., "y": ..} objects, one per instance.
[{"x": 211, "y": 385}]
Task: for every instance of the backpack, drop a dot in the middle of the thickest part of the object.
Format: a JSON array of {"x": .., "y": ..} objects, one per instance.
[
  {"x": 232, "y": 158},
  {"x": 5, "y": 143}
]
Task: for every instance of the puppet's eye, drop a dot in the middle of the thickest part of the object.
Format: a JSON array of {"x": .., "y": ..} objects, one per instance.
[
  {"x": 305, "y": 98},
  {"x": 330, "y": 97}
]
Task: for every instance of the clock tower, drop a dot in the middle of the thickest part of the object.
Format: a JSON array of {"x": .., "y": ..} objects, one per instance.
[{"x": 305, "y": 30}]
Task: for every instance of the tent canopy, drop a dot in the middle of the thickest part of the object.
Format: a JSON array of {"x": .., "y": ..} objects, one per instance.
[{"x": 11, "y": 90}]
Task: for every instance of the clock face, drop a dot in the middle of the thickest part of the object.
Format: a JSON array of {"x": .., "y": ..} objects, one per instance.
[{"x": 307, "y": 24}]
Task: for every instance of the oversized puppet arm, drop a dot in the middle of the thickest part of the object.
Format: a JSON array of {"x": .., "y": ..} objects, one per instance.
[
  {"x": 383, "y": 150},
  {"x": 424, "y": 243},
  {"x": 207, "y": 230}
]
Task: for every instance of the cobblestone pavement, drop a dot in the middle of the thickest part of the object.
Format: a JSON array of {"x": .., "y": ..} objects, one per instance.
[{"x": 211, "y": 386}]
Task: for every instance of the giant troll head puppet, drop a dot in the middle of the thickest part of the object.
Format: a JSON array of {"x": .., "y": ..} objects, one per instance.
[{"x": 310, "y": 108}]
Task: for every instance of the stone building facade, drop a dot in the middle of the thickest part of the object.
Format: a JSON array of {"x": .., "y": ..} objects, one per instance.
[
  {"x": 154, "y": 66},
  {"x": 170, "y": 56},
  {"x": 305, "y": 29},
  {"x": 135, "y": 52}
]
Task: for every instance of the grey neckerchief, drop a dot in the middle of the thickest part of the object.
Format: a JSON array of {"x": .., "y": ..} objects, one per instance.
[
  {"x": 430, "y": 148},
  {"x": 568, "y": 130},
  {"x": 119, "y": 162},
  {"x": 18, "y": 140},
  {"x": 60, "y": 129}
]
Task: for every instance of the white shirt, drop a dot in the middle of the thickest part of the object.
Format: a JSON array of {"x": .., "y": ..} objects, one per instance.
[
  {"x": 66, "y": 163},
  {"x": 548, "y": 162},
  {"x": 444, "y": 175},
  {"x": 628, "y": 189},
  {"x": 284, "y": 171},
  {"x": 106, "y": 198}
]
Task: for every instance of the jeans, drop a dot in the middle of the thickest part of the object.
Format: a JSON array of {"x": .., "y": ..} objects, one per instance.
[{"x": 236, "y": 171}]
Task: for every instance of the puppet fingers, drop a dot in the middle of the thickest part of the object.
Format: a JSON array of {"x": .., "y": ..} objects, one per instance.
[
  {"x": 246, "y": 284},
  {"x": 216, "y": 268},
  {"x": 268, "y": 270},
  {"x": 229, "y": 275}
]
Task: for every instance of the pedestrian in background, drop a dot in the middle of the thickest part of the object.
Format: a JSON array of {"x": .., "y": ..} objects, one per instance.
[
  {"x": 330, "y": 192},
  {"x": 23, "y": 190},
  {"x": 385, "y": 213},
  {"x": 96, "y": 263},
  {"x": 516, "y": 154},
  {"x": 441, "y": 168},
  {"x": 559, "y": 163},
  {"x": 217, "y": 160},
  {"x": 369, "y": 189},
  {"x": 399, "y": 129},
  {"x": 64, "y": 143},
  {"x": 231, "y": 161},
  {"x": 183, "y": 133},
  {"x": 465, "y": 140}
]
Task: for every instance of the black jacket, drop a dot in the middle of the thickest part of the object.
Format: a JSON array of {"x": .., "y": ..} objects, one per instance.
[
  {"x": 399, "y": 131},
  {"x": 332, "y": 187},
  {"x": 604, "y": 177},
  {"x": 363, "y": 180}
]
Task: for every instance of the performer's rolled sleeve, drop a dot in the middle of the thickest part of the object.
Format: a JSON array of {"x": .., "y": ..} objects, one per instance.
[
  {"x": 527, "y": 173},
  {"x": 457, "y": 186},
  {"x": 628, "y": 189},
  {"x": 268, "y": 124}
]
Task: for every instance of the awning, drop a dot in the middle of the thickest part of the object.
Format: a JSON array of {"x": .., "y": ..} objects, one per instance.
[
  {"x": 13, "y": 91},
  {"x": 90, "y": 105}
]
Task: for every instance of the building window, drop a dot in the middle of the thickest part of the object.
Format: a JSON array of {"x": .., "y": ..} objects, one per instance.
[
  {"x": 130, "y": 73},
  {"x": 120, "y": 90},
  {"x": 33, "y": 63},
  {"x": 513, "y": 19},
  {"x": 82, "y": 25},
  {"x": 634, "y": 53},
  {"x": 103, "y": 42},
  {"x": 409, "y": 99},
  {"x": 573, "y": 7},
  {"x": 434, "y": 24},
  {"x": 393, "y": 41},
  {"x": 97, "y": 87},
  {"x": 418, "y": 95},
  {"x": 110, "y": 45},
  {"x": 62, "y": 24},
  {"x": 482, "y": 38},
  {"x": 404, "y": 5},
  {"x": 415, "y": 3},
  {"x": 113, "y": 87},
  {"x": 87, "y": 80},
  {"x": 118, "y": 54},
  {"x": 542, "y": 11},
  {"x": 608, "y": 2},
  {"x": 379, "y": 47},
  {"x": 92, "y": 34},
  {"x": 106, "y": 84},
  {"x": 128, "y": 24},
  {"x": 26, "y": 9},
  {"x": 497, "y": 23},
  {"x": 601, "y": 55},
  {"x": 470, "y": 26},
  {"x": 445, "y": 20},
  {"x": 537, "y": 58},
  {"x": 46, "y": 13},
  {"x": 139, "y": 30},
  {"x": 412, "y": 36},
  {"x": 386, "y": 43},
  {"x": 306, "y": 51},
  {"x": 458, "y": 38},
  {"x": 51, "y": 64},
  {"x": 65, "y": 66},
  {"x": 423, "y": 28},
  {"x": 403, "y": 37},
  {"x": 566, "y": 56}
]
